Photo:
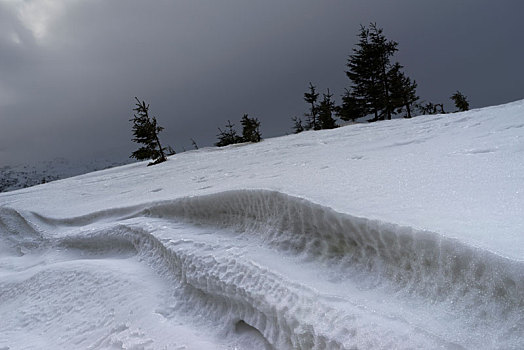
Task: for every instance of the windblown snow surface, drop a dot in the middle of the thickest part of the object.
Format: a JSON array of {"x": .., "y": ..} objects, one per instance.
[{"x": 403, "y": 234}]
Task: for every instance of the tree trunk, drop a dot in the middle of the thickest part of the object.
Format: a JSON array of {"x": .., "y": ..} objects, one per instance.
[
  {"x": 386, "y": 92},
  {"x": 162, "y": 155},
  {"x": 314, "y": 116},
  {"x": 408, "y": 109}
]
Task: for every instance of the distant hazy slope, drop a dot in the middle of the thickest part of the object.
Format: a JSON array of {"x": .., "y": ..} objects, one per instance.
[{"x": 27, "y": 175}]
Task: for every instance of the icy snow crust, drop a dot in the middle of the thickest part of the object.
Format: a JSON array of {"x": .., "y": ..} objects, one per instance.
[{"x": 117, "y": 260}]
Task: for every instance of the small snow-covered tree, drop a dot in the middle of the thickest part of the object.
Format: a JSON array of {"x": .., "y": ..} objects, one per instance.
[
  {"x": 311, "y": 97},
  {"x": 297, "y": 125},
  {"x": 350, "y": 109},
  {"x": 461, "y": 101},
  {"x": 326, "y": 108},
  {"x": 228, "y": 136},
  {"x": 145, "y": 131},
  {"x": 193, "y": 142},
  {"x": 250, "y": 129}
]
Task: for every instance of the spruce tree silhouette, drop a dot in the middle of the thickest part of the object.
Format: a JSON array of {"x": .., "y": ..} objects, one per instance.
[
  {"x": 461, "y": 101},
  {"x": 145, "y": 131}
]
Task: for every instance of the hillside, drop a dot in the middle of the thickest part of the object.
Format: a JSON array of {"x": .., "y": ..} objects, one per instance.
[
  {"x": 14, "y": 177},
  {"x": 398, "y": 234}
]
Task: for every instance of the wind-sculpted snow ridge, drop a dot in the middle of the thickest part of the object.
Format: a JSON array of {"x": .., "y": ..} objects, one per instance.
[
  {"x": 232, "y": 294},
  {"x": 486, "y": 287},
  {"x": 218, "y": 290},
  {"x": 480, "y": 294},
  {"x": 17, "y": 234}
]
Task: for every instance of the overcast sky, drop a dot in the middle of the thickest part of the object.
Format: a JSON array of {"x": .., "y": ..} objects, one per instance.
[{"x": 69, "y": 69}]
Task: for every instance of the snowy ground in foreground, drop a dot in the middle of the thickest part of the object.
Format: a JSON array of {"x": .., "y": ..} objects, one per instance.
[{"x": 398, "y": 234}]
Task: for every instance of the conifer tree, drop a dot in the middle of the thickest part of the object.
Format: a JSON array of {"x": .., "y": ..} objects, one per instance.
[
  {"x": 195, "y": 146},
  {"x": 297, "y": 125},
  {"x": 378, "y": 86},
  {"x": 228, "y": 136},
  {"x": 363, "y": 75},
  {"x": 383, "y": 50},
  {"x": 311, "y": 97},
  {"x": 368, "y": 70},
  {"x": 250, "y": 129},
  {"x": 325, "y": 112},
  {"x": 461, "y": 101},
  {"x": 145, "y": 130},
  {"x": 350, "y": 109},
  {"x": 403, "y": 90}
]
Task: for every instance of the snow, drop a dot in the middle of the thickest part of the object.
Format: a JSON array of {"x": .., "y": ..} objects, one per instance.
[{"x": 399, "y": 234}]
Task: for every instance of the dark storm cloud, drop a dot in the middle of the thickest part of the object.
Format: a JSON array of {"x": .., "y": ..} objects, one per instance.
[{"x": 69, "y": 91}]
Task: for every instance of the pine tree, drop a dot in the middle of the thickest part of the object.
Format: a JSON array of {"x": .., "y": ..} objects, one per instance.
[
  {"x": 325, "y": 112},
  {"x": 403, "y": 90},
  {"x": 195, "y": 146},
  {"x": 250, "y": 129},
  {"x": 362, "y": 72},
  {"x": 350, "y": 109},
  {"x": 378, "y": 86},
  {"x": 368, "y": 70},
  {"x": 311, "y": 97},
  {"x": 461, "y": 101},
  {"x": 145, "y": 130},
  {"x": 383, "y": 49},
  {"x": 297, "y": 125},
  {"x": 228, "y": 136}
]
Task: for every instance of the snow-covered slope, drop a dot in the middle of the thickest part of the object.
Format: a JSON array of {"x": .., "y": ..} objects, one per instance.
[{"x": 399, "y": 234}]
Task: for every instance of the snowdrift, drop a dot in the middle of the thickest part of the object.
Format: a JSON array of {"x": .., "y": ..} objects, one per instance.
[{"x": 484, "y": 289}]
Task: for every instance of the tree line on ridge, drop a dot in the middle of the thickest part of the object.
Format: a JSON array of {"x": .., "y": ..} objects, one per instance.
[{"x": 379, "y": 89}]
